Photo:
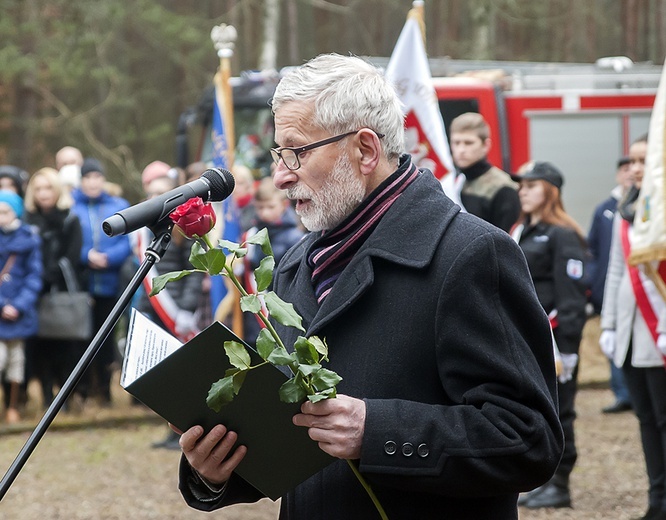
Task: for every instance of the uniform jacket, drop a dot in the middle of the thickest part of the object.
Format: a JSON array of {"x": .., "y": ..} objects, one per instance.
[
  {"x": 620, "y": 313},
  {"x": 492, "y": 196},
  {"x": 436, "y": 325},
  {"x": 91, "y": 213},
  {"x": 23, "y": 282},
  {"x": 556, "y": 260}
]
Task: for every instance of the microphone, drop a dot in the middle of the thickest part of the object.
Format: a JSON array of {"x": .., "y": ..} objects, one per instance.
[{"x": 215, "y": 184}]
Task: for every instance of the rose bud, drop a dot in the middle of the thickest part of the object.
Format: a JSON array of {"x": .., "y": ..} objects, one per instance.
[{"x": 194, "y": 218}]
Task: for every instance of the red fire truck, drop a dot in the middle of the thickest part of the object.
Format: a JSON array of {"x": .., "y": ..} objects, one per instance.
[{"x": 581, "y": 117}]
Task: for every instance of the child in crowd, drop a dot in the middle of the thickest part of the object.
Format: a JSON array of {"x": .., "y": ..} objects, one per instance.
[
  {"x": 274, "y": 212},
  {"x": 20, "y": 284}
]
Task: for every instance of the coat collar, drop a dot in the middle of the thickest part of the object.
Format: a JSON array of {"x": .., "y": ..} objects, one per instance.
[{"x": 408, "y": 235}]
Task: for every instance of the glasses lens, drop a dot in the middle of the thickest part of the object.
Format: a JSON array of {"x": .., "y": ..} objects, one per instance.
[
  {"x": 275, "y": 155},
  {"x": 290, "y": 158}
]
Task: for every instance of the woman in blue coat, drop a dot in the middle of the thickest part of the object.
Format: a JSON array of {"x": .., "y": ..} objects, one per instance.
[{"x": 20, "y": 283}]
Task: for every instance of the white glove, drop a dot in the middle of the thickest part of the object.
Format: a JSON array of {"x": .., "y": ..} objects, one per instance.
[
  {"x": 607, "y": 343},
  {"x": 186, "y": 324},
  {"x": 661, "y": 343}
]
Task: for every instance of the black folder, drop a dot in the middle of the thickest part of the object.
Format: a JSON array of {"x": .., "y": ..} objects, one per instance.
[{"x": 280, "y": 455}]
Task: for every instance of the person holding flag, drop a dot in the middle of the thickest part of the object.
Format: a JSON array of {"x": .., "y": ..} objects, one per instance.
[{"x": 633, "y": 322}]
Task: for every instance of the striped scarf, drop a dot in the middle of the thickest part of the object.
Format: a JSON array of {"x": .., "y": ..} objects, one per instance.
[{"x": 330, "y": 253}]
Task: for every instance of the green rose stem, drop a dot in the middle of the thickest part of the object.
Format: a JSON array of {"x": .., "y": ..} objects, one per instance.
[
  {"x": 230, "y": 274},
  {"x": 368, "y": 489}
]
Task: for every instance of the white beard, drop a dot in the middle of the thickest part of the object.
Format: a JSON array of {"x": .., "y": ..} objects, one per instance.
[{"x": 338, "y": 197}]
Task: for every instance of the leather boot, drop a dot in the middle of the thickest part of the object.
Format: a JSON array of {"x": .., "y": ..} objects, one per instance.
[{"x": 554, "y": 494}]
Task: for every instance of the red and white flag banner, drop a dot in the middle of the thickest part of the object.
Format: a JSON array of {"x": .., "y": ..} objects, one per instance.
[{"x": 409, "y": 71}]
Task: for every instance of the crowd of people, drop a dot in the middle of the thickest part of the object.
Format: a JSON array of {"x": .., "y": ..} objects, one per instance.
[
  {"x": 55, "y": 215},
  {"x": 457, "y": 337}
]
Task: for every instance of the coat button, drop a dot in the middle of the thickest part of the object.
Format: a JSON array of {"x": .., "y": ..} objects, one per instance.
[
  {"x": 390, "y": 447},
  {"x": 423, "y": 450},
  {"x": 408, "y": 449}
]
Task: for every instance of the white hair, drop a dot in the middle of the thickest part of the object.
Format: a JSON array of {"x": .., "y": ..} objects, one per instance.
[{"x": 348, "y": 94}]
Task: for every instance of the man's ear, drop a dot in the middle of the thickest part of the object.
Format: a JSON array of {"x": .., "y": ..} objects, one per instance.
[{"x": 369, "y": 150}]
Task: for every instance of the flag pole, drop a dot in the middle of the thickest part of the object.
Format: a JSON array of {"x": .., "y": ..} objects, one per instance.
[
  {"x": 418, "y": 13},
  {"x": 224, "y": 37}
]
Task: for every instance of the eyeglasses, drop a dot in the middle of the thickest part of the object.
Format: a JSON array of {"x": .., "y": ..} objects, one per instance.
[{"x": 290, "y": 156}]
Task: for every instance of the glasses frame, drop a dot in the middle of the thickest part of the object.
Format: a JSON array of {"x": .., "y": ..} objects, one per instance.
[{"x": 276, "y": 153}]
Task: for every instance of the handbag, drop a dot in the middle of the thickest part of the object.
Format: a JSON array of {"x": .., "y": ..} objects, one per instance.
[{"x": 66, "y": 314}]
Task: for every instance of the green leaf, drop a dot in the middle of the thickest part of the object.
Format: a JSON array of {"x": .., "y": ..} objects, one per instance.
[
  {"x": 221, "y": 393},
  {"x": 237, "y": 354},
  {"x": 282, "y": 311},
  {"x": 261, "y": 239},
  {"x": 239, "y": 379},
  {"x": 159, "y": 282},
  {"x": 305, "y": 351},
  {"x": 263, "y": 274},
  {"x": 307, "y": 370},
  {"x": 250, "y": 303},
  {"x": 265, "y": 343},
  {"x": 324, "y": 378},
  {"x": 197, "y": 253},
  {"x": 233, "y": 248},
  {"x": 211, "y": 261},
  {"x": 292, "y": 391},
  {"x": 320, "y": 345},
  {"x": 281, "y": 357},
  {"x": 329, "y": 393}
]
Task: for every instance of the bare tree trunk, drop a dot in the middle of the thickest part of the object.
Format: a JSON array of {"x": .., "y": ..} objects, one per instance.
[
  {"x": 591, "y": 32},
  {"x": 292, "y": 36},
  {"x": 25, "y": 107},
  {"x": 630, "y": 19},
  {"x": 268, "y": 58},
  {"x": 480, "y": 12}
]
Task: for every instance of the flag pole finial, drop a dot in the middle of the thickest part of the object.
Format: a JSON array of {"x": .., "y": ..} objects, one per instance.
[
  {"x": 224, "y": 37},
  {"x": 418, "y": 13}
]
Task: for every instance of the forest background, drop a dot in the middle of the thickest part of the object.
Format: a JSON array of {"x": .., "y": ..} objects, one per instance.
[{"x": 113, "y": 77}]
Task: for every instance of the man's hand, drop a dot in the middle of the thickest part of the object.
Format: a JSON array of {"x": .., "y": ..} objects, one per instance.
[
  {"x": 336, "y": 424},
  {"x": 209, "y": 454}
]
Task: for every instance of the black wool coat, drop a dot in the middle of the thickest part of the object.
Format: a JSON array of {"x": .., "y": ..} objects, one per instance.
[{"x": 435, "y": 324}]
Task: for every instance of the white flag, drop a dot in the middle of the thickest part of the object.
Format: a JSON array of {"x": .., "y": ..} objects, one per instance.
[
  {"x": 409, "y": 71},
  {"x": 648, "y": 241}
]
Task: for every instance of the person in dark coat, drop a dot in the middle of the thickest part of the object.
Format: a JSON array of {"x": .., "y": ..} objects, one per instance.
[
  {"x": 47, "y": 205},
  {"x": 447, "y": 403},
  {"x": 554, "y": 247},
  {"x": 485, "y": 190},
  {"x": 599, "y": 243}
]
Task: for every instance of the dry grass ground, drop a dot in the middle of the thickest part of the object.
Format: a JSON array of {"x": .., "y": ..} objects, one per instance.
[{"x": 81, "y": 471}]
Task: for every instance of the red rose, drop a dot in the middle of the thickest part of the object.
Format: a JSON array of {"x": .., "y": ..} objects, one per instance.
[{"x": 194, "y": 217}]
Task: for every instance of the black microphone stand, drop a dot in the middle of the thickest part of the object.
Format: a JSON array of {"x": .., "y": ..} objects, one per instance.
[{"x": 154, "y": 253}]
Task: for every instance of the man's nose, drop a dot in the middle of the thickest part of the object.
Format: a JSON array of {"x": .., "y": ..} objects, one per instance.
[{"x": 283, "y": 177}]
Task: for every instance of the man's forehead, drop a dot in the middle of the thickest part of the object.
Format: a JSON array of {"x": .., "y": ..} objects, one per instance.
[{"x": 294, "y": 120}]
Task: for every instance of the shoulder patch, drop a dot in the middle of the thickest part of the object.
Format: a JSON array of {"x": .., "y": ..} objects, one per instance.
[{"x": 575, "y": 269}]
